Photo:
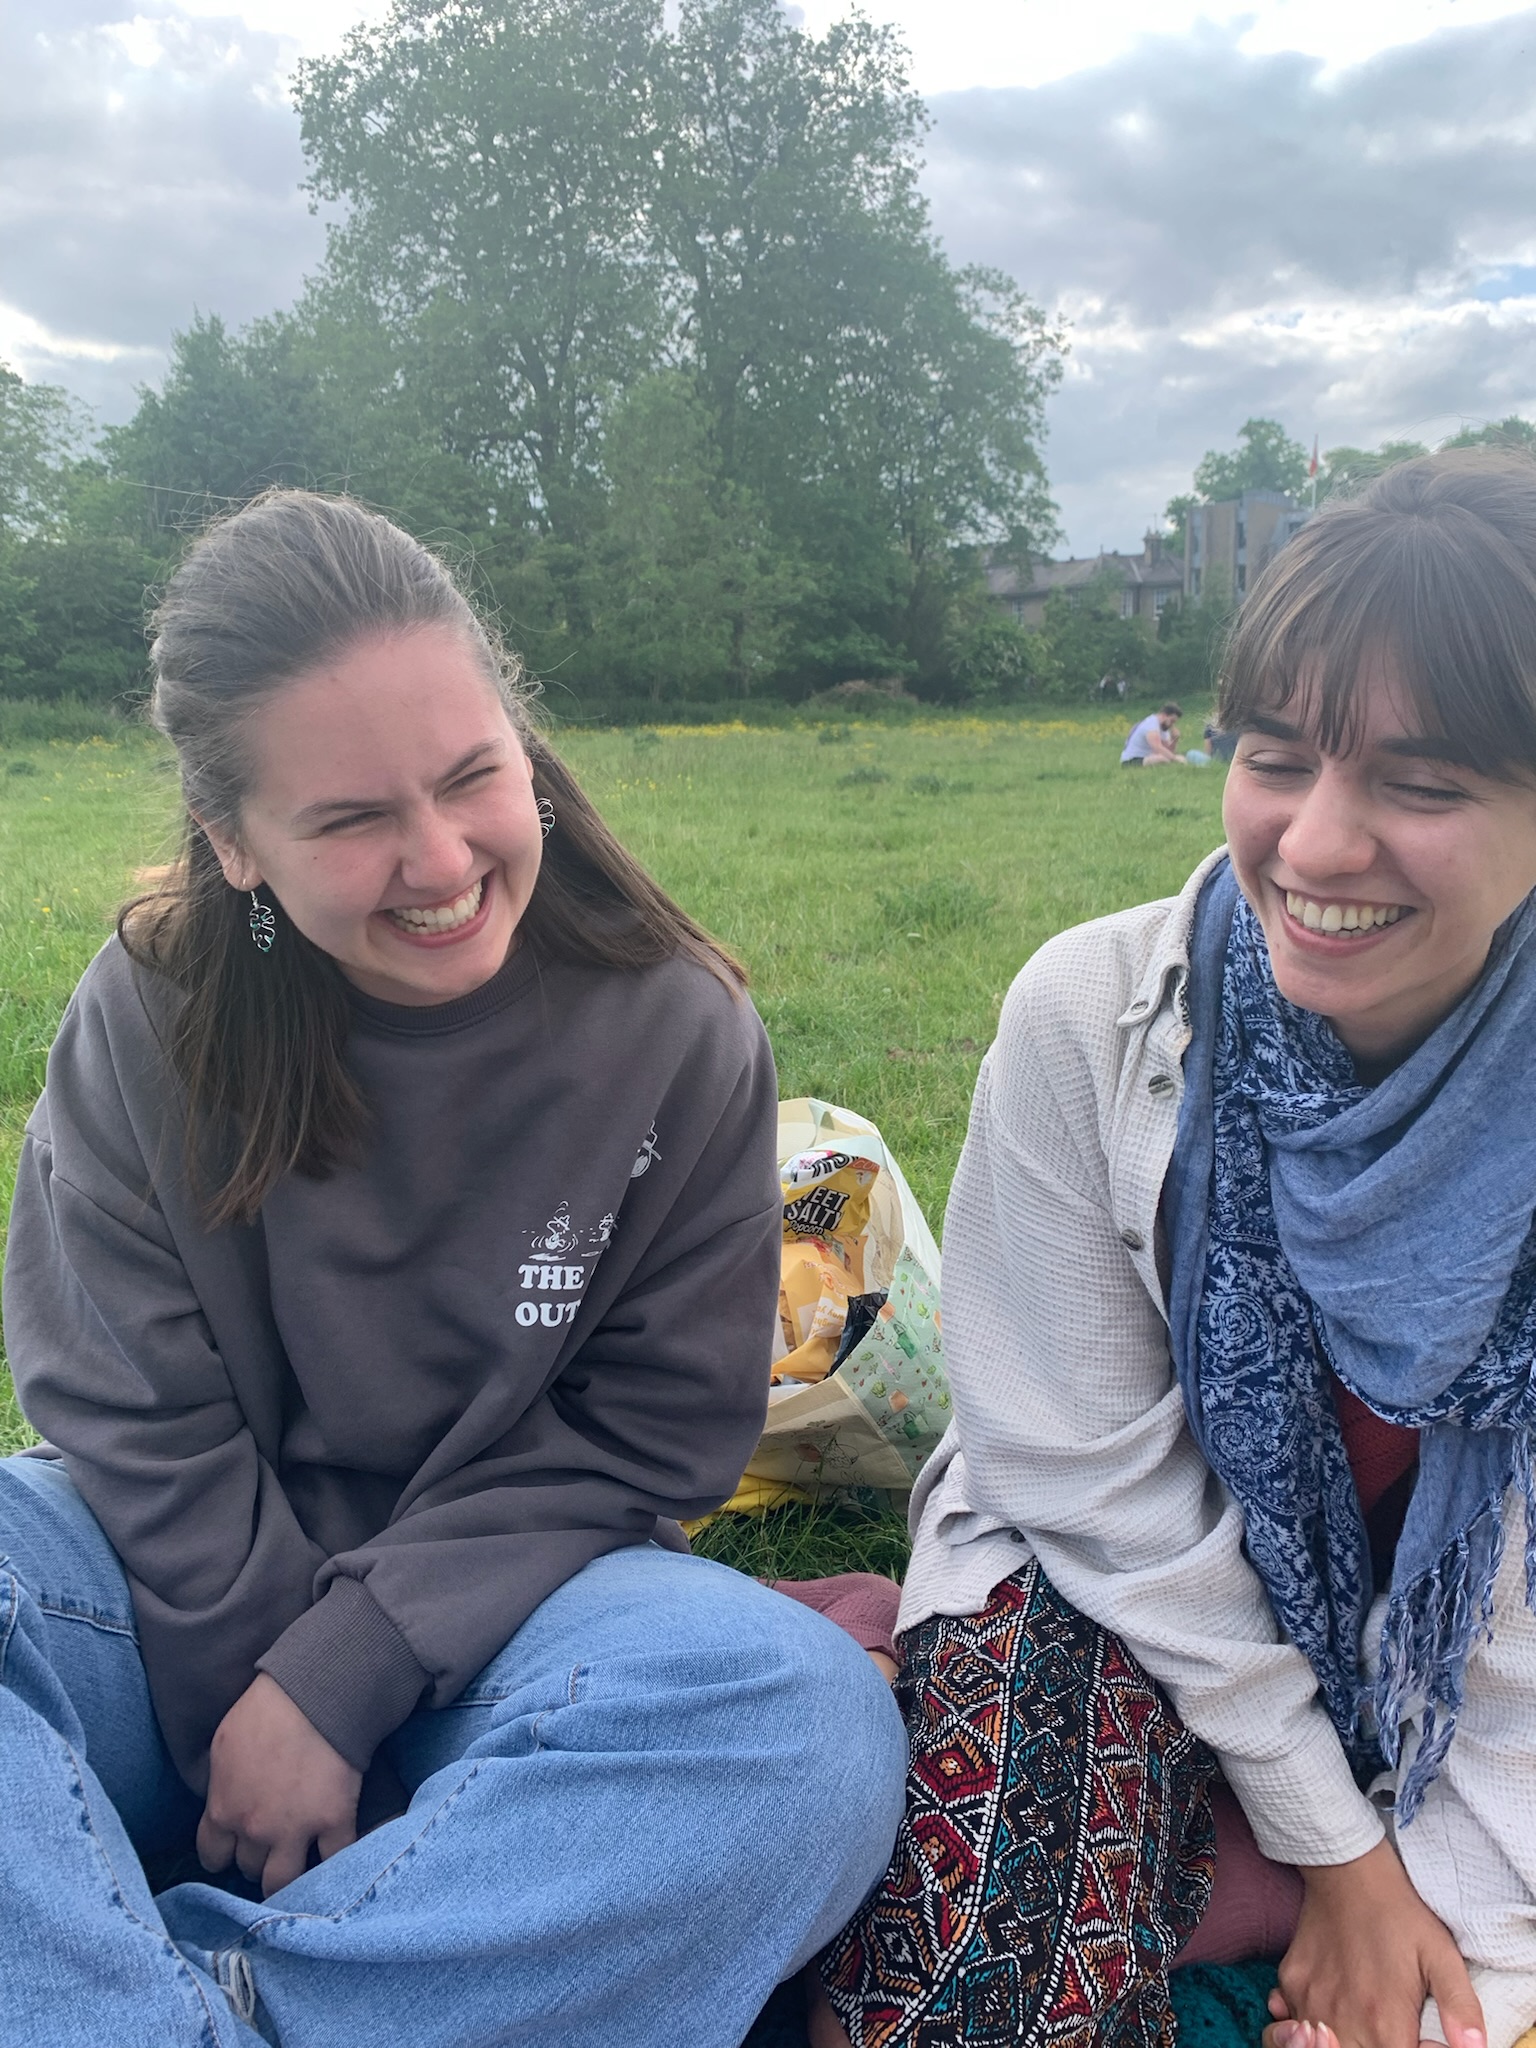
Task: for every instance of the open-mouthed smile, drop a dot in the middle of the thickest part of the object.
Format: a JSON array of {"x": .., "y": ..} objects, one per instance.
[
  {"x": 451, "y": 919},
  {"x": 1335, "y": 918}
]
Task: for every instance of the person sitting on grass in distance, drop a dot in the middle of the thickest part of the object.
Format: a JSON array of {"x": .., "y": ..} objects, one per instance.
[
  {"x": 1154, "y": 741},
  {"x": 1240, "y": 1319},
  {"x": 393, "y": 1263}
]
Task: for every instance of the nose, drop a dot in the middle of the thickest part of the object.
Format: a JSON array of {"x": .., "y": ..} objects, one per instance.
[
  {"x": 1329, "y": 833},
  {"x": 436, "y": 858}
]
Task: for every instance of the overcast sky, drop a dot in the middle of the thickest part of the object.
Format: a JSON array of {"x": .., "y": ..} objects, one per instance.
[{"x": 1319, "y": 210}]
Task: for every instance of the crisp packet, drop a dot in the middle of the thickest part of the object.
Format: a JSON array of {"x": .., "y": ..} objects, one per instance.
[{"x": 827, "y": 1196}]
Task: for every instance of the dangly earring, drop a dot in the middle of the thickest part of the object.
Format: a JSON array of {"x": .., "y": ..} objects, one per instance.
[
  {"x": 546, "y": 816},
  {"x": 263, "y": 924}
]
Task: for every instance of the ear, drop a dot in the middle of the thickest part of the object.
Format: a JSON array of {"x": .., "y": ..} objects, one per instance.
[{"x": 240, "y": 871}]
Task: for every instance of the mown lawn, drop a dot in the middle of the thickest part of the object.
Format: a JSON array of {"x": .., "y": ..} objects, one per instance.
[{"x": 883, "y": 884}]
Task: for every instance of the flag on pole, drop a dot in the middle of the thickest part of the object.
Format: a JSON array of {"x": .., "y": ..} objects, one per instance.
[{"x": 1312, "y": 471}]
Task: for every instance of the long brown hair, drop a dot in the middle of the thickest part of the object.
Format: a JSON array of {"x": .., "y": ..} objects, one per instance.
[
  {"x": 1433, "y": 565},
  {"x": 259, "y": 1041}
]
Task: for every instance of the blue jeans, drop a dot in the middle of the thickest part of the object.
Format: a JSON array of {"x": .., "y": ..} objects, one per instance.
[{"x": 666, "y": 1793}]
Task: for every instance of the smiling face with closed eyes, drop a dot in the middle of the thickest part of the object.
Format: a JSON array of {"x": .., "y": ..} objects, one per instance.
[
  {"x": 1380, "y": 872},
  {"x": 391, "y": 813}
]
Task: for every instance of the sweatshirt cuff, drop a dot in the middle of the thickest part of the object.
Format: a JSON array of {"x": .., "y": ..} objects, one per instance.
[
  {"x": 1305, "y": 1807},
  {"x": 1508, "y": 1999},
  {"x": 348, "y": 1670}
]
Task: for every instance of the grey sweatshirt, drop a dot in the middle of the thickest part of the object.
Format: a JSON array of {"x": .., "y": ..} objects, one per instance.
[{"x": 356, "y": 1443}]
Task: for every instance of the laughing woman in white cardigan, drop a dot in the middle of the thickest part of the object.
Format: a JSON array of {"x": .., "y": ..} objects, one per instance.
[{"x": 1241, "y": 1315}]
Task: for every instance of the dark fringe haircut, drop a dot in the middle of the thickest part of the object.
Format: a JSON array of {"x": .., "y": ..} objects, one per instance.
[
  {"x": 1433, "y": 566},
  {"x": 258, "y": 1041}
]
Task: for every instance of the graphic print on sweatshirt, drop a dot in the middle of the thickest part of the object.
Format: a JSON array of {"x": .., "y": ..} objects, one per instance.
[{"x": 563, "y": 1259}]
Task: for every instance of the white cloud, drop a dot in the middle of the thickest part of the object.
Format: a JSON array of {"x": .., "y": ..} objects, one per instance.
[
  {"x": 1236, "y": 233},
  {"x": 22, "y": 337},
  {"x": 149, "y": 168},
  {"x": 314, "y": 27},
  {"x": 959, "y": 43}
]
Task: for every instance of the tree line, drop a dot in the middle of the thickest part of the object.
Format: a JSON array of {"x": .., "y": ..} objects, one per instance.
[
  {"x": 1267, "y": 458},
  {"x": 642, "y": 320}
]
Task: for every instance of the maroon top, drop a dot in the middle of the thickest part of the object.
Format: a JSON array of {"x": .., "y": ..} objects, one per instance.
[{"x": 1384, "y": 1458}]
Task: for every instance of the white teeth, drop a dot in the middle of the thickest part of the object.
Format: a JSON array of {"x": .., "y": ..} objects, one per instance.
[
  {"x": 442, "y": 917},
  {"x": 1337, "y": 917}
]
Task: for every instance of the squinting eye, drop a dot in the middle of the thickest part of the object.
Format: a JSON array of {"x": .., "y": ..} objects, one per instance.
[{"x": 1435, "y": 793}]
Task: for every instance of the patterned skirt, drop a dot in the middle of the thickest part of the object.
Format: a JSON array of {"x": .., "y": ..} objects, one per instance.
[{"x": 1057, "y": 1849}]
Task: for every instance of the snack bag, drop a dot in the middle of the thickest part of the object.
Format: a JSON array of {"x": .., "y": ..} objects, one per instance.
[
  {"x": 859, "y": 1395},
  {"x": 826, "y": 1219}
]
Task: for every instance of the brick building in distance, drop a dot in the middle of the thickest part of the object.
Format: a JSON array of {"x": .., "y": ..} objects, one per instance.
[{"x": 1146, "y": 583}]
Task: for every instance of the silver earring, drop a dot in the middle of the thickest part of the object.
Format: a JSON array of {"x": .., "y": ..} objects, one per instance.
[
  {"x": 546, "y": 816},
  {"x": 263, "y": 924}
]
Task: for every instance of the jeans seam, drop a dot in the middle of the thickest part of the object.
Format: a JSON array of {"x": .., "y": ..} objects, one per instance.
[
  {"x": 211, "y": 2031},
  {"x": 573, "y": 1690},
  {"x": 109, "y": 1624},
  {"x": 257, "y": 1928}
]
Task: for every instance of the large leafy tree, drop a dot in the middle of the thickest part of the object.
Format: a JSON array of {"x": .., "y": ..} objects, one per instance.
[
  {"x": 497, "y": 163},
  {"x": 75, "y": 553},
  {"x": 296, "y": 400},
  {"x": 1344, "y": 471},
  {"x": 884, "y": 405},
  {"x": 234, "y": 414},
  {"x": 685, "y": 582},
  {"x": 41, "y": 429},
  {"x": 649, "y": 322},
  {"x": 788, "y": 177},
  {"x": 1265, "y": 459}
]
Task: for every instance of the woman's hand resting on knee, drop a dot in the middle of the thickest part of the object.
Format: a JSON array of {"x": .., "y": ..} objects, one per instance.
[
  {"x": 1367, "y": 1954},
  {"x": 275, "y": 1785}
]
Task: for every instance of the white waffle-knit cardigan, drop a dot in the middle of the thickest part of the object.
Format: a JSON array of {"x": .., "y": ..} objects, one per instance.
[{"x": 1069, "y": 1443}]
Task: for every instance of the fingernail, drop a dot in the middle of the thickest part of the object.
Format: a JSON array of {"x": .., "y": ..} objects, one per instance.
[
  {"x": 1473, "y": 2037},
  {"x": 1287, "y": 2034}
]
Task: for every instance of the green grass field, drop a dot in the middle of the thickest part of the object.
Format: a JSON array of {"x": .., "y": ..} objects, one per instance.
[{"x": 882, "y": 883}]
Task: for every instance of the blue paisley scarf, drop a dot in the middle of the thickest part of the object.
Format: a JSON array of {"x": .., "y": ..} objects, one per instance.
[{"x": 1386, "y": 1233}]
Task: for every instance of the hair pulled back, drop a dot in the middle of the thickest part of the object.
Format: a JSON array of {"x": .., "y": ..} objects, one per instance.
[
  {"x": 258, "y": 1040},
  {"x": 1433, "y": 566}
]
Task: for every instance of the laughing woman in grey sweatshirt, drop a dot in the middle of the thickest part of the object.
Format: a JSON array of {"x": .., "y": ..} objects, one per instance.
[{"x": 392, "y": 1266}]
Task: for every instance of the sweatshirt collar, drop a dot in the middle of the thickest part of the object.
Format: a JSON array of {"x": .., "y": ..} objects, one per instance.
[{"x": 513, "y": 979}]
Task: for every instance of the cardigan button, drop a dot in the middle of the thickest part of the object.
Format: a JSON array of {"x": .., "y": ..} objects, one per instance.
[
  {"x": 1132, "y": 1240},
  {"x": 1160, "y": 1084}
]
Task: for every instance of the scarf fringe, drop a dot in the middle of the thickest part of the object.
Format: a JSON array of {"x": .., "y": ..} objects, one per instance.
[{"x": 1428, "y": 1635}]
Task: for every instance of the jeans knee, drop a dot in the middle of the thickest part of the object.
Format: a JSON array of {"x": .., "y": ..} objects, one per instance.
[
  {"x": 847, "y": 1745},
  {"x": 56, "y": 1546}
]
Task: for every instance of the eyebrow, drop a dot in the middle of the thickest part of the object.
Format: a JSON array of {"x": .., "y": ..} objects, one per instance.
[
  {"x": 1410, "y": 747},
  {"x": 334, "y": 807}
]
